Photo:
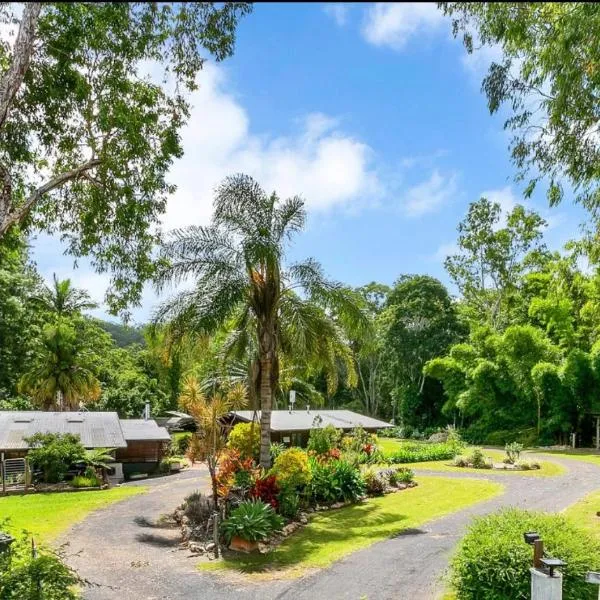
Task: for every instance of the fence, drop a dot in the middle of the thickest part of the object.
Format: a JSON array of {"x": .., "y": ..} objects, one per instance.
[{"x": 15, "y": 475}]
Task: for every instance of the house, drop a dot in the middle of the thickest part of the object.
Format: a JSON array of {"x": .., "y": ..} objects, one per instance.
[
  {"x": 177, "y": 421},
  {"x": 292, "y": 427},
  {"x": 140, "y": 444}
]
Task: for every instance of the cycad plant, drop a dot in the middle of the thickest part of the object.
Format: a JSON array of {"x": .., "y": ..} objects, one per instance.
[{"x": 238, "y": 272}]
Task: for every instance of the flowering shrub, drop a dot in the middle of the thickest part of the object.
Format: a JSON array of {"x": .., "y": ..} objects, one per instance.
[
  {"x": 291, "y": 468},
  {"x": 267, "y": 490},
  {"x": 323, "y": 440},
  {"x": 245, "y": 438},
  {"x": 230, "y": 464}
]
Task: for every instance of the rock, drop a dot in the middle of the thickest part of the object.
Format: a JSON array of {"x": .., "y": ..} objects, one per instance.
[
  {"x": 210, "y": 547},
  {"x": 196, "y": 548},
  {"x": 185, "y": 520},
  {"x": 303, "y": 518},
  {"x": 263, "y": 548},
  {"x": 337, "y": 505},
  {"x": 290, "y": 528},
  {"x": 186, "y": 532}
]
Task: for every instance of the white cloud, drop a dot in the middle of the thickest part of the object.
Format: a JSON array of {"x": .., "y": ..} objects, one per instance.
[
  {"x": 394, "y": 24},
  {"x": 428, "y": 196},
  {"x": 445, "y": 250},
  {"x": 325, "y": 165},
  {"x": 338, "y": 11}
]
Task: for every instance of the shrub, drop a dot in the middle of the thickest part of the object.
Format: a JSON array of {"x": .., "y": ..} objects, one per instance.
[
  {"x": 266, "y": 489},
  {"x": 358, "y": 439},
  {"x": 477, "y": 459},
  {"x": 245, "y": 438},
  {"x": 229, "y": 465},
  {"x": 528, "y": 465},
  {"x": 275, "y": 450},
  {"x": 54, "y": 453},
  {"x": 335, "y": 481},
  {"x": 405, "y": 475},
  {"x": 180, "y": 443},
  {"x": 461, "y": 461},
  {"x": 410, "y": 453},
  {"x": 23, "y": 577},
  {"x": 252, "y": 520},
  {"x": 513, "y": 452},
  {"x": 82, "y": 481},
  {"x": 198, "y": 508},
  {"x": 323, "y": 440},
  {"x": 289, "y": 503},
  {"x": 375, "y": 482},
  {"x": 291, "y": 468},
  {"x": 492, "y": 561}
]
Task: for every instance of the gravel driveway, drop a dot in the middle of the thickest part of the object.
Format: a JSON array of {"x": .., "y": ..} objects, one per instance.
[{"x": 128, "y": 561}]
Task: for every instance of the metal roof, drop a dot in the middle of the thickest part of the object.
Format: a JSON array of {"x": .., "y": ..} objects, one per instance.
[
  {"x": 303, "y": 420},
  {"x": 142, "y": 430},
  {"x": 95, "y": 429}
]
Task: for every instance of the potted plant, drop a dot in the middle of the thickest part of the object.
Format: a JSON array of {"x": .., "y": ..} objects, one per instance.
[{"x": 251, "y": 522}]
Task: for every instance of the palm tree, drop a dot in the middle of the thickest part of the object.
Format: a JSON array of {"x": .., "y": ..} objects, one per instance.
[
  {"x": 63, "y": 299},
  {"x": 237, "y": 263},
  {"x": 99, "y": 459},
  {"x": 60, "y": 378}
]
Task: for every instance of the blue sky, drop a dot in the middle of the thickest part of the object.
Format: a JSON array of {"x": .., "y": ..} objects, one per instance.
[{"x": 373, "y": 113}]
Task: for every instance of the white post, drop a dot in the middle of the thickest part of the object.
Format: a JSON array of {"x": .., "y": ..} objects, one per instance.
[
  {"x": 544, "y": 587},
  {"x": 573, "y": 439},
  {"x": 598, "y": 438}
]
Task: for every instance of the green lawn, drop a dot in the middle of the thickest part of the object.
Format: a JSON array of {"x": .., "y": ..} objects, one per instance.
[
  {"x": 584, "y": 513},
  {"x": 332, "y": 535},
  {"x": 48, "y": 515},
  {"x": 584, "y": 456},
  {"x": 548, "y": 469}
]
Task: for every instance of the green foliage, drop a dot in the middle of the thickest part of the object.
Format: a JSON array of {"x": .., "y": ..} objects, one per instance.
[
  {"x": 292, "y": 469},
  {"x": 252, "y": 520},
  {"x": 97, "y": 132},
  {"x": 81, "y": 481},
  {"x": 375, "y": 483},
  {"x": 276, "y": 449},
  {"x": 46, "y": 577},
  {"x": 410, "y": 453},
  {"x": 180, "y": 442},
  {"x": 123, "y": 335},
  {"x": 547, "y": 77},
  {"x": 492, "y": 562},
  {"x": 289, "y": 503},
  {"x": 335, "y": 481},
  {"x": 54, "y": 453},
  {"x": 513, "y": 452},
  {"x": 322, "y": 440},
  {"x": 245, "y": 438},
  {"x": 478, "y": 460}
]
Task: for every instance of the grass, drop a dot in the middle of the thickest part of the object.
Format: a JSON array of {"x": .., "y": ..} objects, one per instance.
[
  {"x": 46, "y": 516},
  {"x": 548, "y": 469},
  {"x": 573, "y": 455},
  {"x": 334, "y": 534},
  {"x": 584, "y": 513}
]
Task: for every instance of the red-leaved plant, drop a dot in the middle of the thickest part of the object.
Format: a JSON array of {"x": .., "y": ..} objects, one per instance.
[{"x": 266, "y": 489}]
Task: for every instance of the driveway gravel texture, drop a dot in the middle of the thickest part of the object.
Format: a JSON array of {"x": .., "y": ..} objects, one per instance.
[{"x": 127, "y": 557}]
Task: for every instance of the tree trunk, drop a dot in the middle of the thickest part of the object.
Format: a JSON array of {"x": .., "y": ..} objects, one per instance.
[{"x": 266, "y": 403}]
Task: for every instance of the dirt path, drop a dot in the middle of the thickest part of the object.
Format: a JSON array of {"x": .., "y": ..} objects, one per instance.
[{"x": 132, "y": 562}]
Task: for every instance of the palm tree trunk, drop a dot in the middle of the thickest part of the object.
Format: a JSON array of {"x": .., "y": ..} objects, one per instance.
[{"x": 266, "y": 403}]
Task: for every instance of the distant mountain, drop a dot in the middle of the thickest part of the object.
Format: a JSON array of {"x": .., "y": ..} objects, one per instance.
[{"x": 123, "y": 336}]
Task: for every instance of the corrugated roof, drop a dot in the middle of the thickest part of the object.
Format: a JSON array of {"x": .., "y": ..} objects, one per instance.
[
  {"x": 302, "y": 420},
  {"x": 140, "y": 429},
  {"x": 95, "y": 429}
]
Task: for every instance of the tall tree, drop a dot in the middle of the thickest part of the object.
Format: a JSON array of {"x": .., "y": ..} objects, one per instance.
[
  {"x": 86, "y": 136},
  {"x": 238, "y": 267},
  {"x": 62, "y": 299},
  {"x": 492, "y": 258},
  {"x": 549, "y": 77},
  {"x": 61, "y": 375}
]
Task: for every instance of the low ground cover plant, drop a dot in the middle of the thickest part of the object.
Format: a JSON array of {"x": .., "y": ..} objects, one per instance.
[{"x": 492, "y": 561}]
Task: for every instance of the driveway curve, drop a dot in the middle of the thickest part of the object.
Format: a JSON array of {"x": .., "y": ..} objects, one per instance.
[{"x": 124, "y": 557}]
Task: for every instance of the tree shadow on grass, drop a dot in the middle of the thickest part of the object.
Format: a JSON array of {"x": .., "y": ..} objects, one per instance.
[{"x": 336, "y": 532}]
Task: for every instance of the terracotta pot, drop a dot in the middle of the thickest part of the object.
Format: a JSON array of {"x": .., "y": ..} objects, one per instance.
[{"x": 242, "y": 545}]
